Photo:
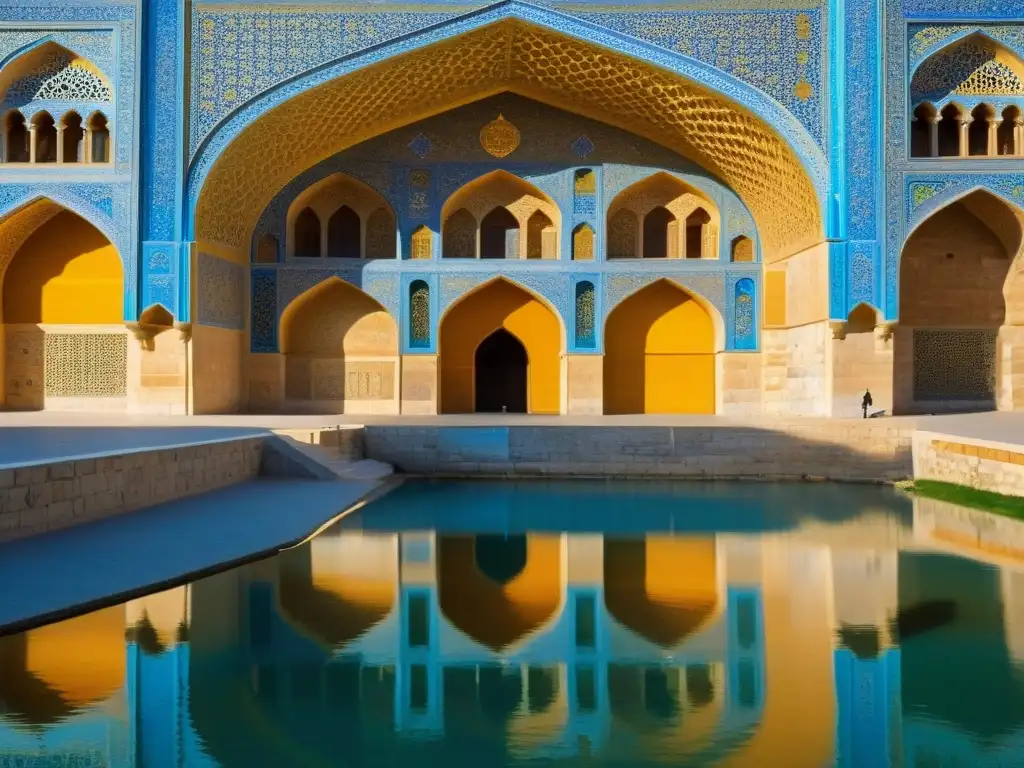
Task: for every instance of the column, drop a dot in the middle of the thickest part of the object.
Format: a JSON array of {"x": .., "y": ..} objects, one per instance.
[
  {"x": 60, "y": 142},
  {"x": 32, "y": 142},
  {"x": 86, "y": 145},
  {"x": 933, "y": 134},
  {"x": 993, "y": 139},
  {"x": 964, "y": 126},
  {"x": 1018, "y": 135}
]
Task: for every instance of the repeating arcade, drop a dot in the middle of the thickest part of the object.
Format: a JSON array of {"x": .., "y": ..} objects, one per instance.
[{"x": 565, "y": 210}]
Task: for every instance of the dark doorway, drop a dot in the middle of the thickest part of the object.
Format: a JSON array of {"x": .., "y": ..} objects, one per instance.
[
  {"x": 656, "y": 235},
  {"x": 501, "y": 374},
  {"x": 499, "y": 235}
]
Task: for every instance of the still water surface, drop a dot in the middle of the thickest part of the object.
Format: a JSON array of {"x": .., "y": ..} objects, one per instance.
[{"x": 554, "y": 624}]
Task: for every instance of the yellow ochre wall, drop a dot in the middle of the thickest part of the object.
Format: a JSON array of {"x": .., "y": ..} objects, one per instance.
[
  {"x": 500, "y": 304},
  {"x": 66, "y": 272},
  {"x": 659, "y": 354}
]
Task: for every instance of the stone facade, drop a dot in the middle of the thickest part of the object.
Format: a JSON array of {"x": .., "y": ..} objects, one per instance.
[
  {"x": 50, "y": 497},
  {"x": 733, "y": 159}
]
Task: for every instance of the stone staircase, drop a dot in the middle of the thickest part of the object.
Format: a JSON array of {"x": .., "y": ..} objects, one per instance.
[{"x": 330, "y": 453}]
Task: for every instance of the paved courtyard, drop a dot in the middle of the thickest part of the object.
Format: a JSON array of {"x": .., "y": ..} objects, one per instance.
[{"x": 41, "y": 436}]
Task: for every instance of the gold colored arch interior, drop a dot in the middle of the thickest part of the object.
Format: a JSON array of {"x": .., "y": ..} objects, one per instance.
[{"x": 538, "y": 63}]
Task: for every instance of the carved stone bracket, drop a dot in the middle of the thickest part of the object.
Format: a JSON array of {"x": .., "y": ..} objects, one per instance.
[
  {"x": 185, "y": 330},
  {"x": 884, "y": 331},
  {"x": 144, "y": 333},
  {"x": 838, "y": 329}
]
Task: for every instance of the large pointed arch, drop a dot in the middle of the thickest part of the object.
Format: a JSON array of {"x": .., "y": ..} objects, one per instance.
[
  {"x": 970, "y": 64},
  {"x": 961, "y": 299},
  {"x": 660, "y": 345},
  {"x": 655, "y": 93},
  {"x": 47, "y": 70},
  {"x": 500, "y": 305},
  {"x": 340, "y": 347}
]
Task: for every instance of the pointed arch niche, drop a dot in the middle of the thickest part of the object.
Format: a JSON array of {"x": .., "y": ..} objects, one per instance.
[
  {"x": 662, "y": 217},
  {"x": 505, "y": 308},
  {"x": 66, "y": 83},
  {"x": 660, "y": 346},
  {"x": 977, "y": 71},
  {"x": 340, "y": 352},
  {"x": 499, "y": 215},
  {"x": 353, "y": 221},
  {"x": 961, "y": 325},
  {"x": 66, "y": 344}
]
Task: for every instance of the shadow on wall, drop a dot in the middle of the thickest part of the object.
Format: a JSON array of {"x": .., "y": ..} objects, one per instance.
[{"x": 834, "y": 451}]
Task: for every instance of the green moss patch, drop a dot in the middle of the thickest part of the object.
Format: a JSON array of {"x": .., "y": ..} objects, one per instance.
[{"x": 997, "y": 503}]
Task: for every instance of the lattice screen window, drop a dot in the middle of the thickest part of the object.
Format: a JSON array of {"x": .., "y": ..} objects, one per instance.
[
  {"x": 954, "y": 364},
  {"x": 86, "y": 364}
]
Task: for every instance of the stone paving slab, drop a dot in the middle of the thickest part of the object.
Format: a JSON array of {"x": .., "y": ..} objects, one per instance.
[{"x": 48, "y": 577}]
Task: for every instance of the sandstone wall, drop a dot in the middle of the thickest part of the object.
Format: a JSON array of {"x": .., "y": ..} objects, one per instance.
[
  {"x": 984, "y": 465},
  {"x": 49, "y": 497},
  {"x": 840, "y": 450}
]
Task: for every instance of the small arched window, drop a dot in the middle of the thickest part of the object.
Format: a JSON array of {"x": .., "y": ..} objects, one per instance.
[
  {"x": 980, "y": 130},
  {"x": 622, "y": 234},
  {"x": 921, "y": 131},
  {"x": 307, "y": 234},
  {"x": 585, "y": 308},
  {"x": 72, "y": 138},
  {"x": 540, "y": 237},
  {"x": 419, "y": 314},
  {"x": 1006, "y": 136},
  {"x": 949, "y": 131},
  {"x": 696, "y": 223},
  {"x": 15, "y": 138},
  {"x": 499, "y": 235},
  {"x": 422, "y": 242},
  {"x": 344, "y": 238},
  {"x": 583, "y": 243},
  {"x": 266, "y": 249},
  {"x": 661, "y": 233},
  {"x": 459, "y": 240},
  {"x": 46, "y": 137},
  {"x": 742, "y": 249},
  {"x": 99, "y": 138}
]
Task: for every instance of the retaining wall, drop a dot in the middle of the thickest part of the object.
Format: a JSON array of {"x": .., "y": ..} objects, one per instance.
[
  {"x": 826, "y": 449},
  {"x": 56, "y": 495},
  {"x": 981, "y": 464}
]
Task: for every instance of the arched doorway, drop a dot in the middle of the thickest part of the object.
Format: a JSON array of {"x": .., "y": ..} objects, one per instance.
[
  {"x": 659, "y": 354},
  {"x": 63, "y": 312},
  {"x": 499, "y": 235},
  {"x": 524, "y": 360},
  {"x": 501, "y": 363},
  {"x": 959, "y": 305}
]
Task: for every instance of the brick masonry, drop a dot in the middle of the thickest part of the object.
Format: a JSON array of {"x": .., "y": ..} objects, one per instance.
[
  {"x": 50, "y": 497},
  {"x": 980, "y": 464},
  {"x": 825, "y": 449}
]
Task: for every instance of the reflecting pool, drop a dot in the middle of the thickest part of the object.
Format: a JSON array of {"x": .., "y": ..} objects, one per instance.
[{"x": 475, "y": 624}]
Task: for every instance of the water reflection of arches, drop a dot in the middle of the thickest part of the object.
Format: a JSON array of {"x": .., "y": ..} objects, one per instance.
[
  {"x": 50, "y": 673},
  {"x": 339, "y": 587},
  {"x": 498, "y": 614},
  {"x": 664, "y": 588}
]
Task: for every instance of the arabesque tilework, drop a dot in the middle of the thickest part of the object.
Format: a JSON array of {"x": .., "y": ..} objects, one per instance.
[{"x": 791, "y": 117}]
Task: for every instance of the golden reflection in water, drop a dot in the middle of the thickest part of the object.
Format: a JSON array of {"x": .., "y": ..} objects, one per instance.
[
  {"x": 728, "y": 649},
  {"x": 49, "y": 674}
]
